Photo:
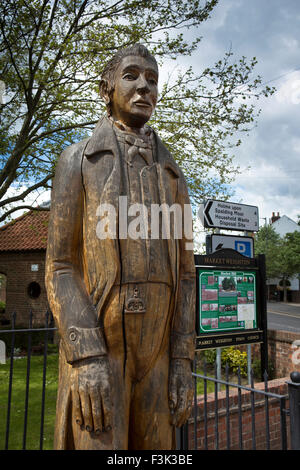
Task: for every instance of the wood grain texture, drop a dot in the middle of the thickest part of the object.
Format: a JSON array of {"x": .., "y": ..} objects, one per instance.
[{"x": 125, "y": 378}]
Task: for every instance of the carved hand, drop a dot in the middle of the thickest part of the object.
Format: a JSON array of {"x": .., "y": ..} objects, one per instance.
[
  {"x": 91, "y": 394},
  {"x": 180, "y": 391}
]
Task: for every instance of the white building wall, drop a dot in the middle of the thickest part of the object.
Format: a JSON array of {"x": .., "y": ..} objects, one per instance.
[{"x": 285, "y": 225}]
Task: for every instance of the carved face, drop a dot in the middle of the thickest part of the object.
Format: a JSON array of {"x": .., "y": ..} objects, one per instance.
[{"x": 135, "y": 92}]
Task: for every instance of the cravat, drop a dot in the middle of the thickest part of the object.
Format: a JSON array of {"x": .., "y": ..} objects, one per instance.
[{"x": 138, "y": 147}]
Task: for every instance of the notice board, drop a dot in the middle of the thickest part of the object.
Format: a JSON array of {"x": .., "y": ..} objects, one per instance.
[
  {"x": 230, "y": 300},
  {"x": 227, "y": 300}
]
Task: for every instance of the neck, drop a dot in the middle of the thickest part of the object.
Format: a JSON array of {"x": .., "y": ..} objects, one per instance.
[{"x": 141, "y": 131}]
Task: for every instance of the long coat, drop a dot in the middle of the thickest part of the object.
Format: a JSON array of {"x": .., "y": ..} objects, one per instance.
[{"x": 82, "y": 269}]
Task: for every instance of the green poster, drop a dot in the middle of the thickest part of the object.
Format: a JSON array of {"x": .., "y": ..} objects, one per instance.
[{"x": 227, "y": 300}]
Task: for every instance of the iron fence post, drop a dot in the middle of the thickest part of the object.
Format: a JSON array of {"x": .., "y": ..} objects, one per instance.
[
  {"x": 263, "y": 313},
  {"x": 294, "y": 397}
]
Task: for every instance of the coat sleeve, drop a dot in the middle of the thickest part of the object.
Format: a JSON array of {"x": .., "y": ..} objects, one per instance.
[
  {"x": 183, "y": 325},
  {"x": 74, "y": 314}
]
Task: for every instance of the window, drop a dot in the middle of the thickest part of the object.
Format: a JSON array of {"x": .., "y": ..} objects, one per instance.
[{"x": 34, "y": 290}]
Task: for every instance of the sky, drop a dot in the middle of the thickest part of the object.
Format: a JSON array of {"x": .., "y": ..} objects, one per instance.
[{"x": 268, "y": 30}]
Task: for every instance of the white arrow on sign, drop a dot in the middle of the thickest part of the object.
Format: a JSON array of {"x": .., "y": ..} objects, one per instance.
[
  {"x": 229, "y": 215},
  {"x": 201, "y": 213}
]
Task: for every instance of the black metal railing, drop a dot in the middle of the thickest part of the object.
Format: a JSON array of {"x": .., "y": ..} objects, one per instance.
[
  {"x": 13, "y": 331},
  {"x": 187, "y": 437},
  {"x": 283, "y": 405},
  {"x": 266, "y": 396}
]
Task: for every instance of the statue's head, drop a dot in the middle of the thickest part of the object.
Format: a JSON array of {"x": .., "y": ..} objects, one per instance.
[{"x": 129, "y": 85}]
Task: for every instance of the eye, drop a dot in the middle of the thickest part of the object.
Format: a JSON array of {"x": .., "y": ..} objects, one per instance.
[
  {"x": 153, "y": 81},
  {"x": 129, "y": 76}
]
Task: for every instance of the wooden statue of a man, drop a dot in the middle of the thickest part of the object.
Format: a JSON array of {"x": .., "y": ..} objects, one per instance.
[{"x": 124, "y": 305}]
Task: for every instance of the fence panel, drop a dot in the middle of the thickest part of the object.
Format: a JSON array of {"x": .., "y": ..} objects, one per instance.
[
  {"x": 22, "y": 404},
  {"x": 226, "y": 415},
  {"x": 237, "y": 417}
]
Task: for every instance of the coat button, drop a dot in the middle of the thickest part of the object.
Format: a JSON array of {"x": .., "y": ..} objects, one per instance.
[{"x": 73, "y": 336}]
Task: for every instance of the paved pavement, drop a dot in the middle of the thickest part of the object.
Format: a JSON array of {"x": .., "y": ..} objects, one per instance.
[{"x": 283, "y": 316}]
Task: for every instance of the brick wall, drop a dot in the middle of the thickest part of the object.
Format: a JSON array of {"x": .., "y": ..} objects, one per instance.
[
  {"x": 277, "y": 386},
  {"x": 17, "y": 268},
  {"x": 295, "y": 296},
  {"x": 283, "y": 351}
]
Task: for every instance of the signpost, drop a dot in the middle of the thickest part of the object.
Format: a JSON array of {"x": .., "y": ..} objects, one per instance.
[
  {"x": 231, "y": 306},
  {"x": 229, "y": 216}
]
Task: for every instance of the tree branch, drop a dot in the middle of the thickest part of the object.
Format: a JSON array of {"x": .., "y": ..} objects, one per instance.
[
  {"x": 14, "y": 209},
  {"x": 22, "y": 196}
]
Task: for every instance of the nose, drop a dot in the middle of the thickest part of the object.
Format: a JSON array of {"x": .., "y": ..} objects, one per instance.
[{"x": 142, "y": 85}]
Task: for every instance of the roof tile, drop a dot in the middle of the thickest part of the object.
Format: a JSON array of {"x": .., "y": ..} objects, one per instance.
[{"x": 25, "y": 233}]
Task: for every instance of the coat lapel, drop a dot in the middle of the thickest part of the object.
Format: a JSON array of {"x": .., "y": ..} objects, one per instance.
[
  {"x": 165, "y": 165},
  {"x": 104, "y": 140}
]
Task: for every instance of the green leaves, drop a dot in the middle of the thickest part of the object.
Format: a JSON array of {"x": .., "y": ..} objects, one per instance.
[
  {"x": 202, "y": 117},
  {"x": 290, "y": 254},
  {"x": 268, "y": 242},
  {"x": 51, "y": 57},
  {"x": 282, "y": 254}
]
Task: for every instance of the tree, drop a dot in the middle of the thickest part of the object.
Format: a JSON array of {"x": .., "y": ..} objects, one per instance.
[
  {"x": 228, "y": 283},
  {"x": 282, "y": 254},
  {"x": 52, "y": 54},
  {"x": 268, "y": 242},
  {"x": 290, "y": 259}
]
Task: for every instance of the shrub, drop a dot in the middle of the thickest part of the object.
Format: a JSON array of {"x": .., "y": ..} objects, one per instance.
[
  {"x": 235, "y": 359},
  {"x": 210, "y": 356},
  {"x": 231, "y": 356},
  {"x": 21, "y": 341},
  {"x": 256, "y": 367}
]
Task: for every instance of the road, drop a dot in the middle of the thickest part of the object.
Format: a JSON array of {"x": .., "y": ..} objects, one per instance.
[{"x": 283, "y": 316}]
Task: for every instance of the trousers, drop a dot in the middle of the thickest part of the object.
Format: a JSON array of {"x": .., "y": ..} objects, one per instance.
[{"x": 138, "y": 351}]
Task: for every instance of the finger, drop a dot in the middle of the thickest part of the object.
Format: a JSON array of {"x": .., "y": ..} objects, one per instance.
[
  {"x": 86, "y": 409},
  {"x": 76, "y": 407},
  {"x": 190, "y": 403},
  {"x": 107, "y": 410},
  {"x": 190, "y": 398},
  {"x": 96, "y": 410},
  {"x": 180, "y": 412},
  {"x": 189, "y": 410},
  {"x": 173, "y": 396}
]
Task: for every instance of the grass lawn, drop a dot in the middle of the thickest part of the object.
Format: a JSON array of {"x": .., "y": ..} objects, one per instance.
[
  {"x": 210, "y": 385},
  {"x": 34, "y": 402}
]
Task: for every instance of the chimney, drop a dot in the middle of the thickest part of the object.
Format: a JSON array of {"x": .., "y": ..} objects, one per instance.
[{"x": 274, "y": 217}]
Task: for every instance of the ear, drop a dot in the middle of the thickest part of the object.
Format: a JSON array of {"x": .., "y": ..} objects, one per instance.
[{"x": 103, "y": 89}]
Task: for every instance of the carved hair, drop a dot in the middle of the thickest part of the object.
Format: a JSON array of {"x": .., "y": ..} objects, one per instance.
[{"x": 107, "y": 82}]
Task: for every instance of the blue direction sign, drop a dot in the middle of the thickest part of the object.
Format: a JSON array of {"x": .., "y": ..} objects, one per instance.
[{"x": 244, "y": 245}]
